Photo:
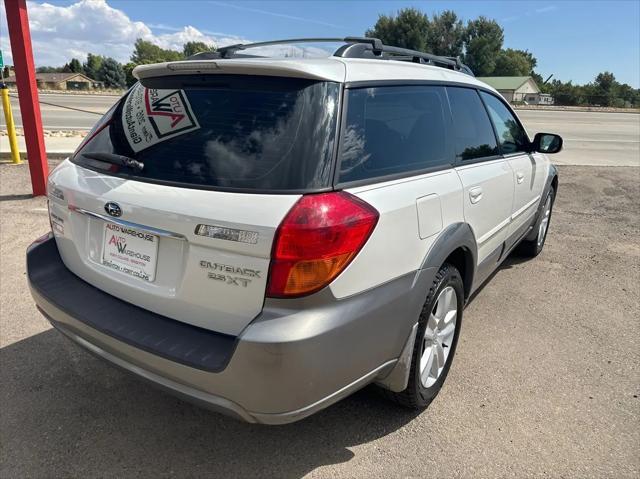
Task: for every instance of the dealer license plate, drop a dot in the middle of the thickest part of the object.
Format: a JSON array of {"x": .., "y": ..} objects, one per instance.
[{"x": 130, "y": 251}]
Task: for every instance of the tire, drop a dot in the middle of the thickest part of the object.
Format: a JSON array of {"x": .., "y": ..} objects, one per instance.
[
  {"x": 532, "y": 248},
  {"x": 423, "y": 385}
]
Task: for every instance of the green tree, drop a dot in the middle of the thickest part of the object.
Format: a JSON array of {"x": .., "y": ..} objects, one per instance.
[
  {"x": 567, "y": 93},
  {"x": 606, "y": 81},
  {"x": 628, "y": 95},
  {"x": 93, "y": 65},
  {"x": 112, "y": 74},
  {"x": 605, "y": 88},
  {"x": 483, "y": 44},
  {"x": 446, "y": 34},
  {"x": 75, "y": 66},
  {"x": 191, "y": 48},
  {"x": 514, "y": 63},
  {"x": 407, "y": 29},
  {"x": 128, "y": 72},
  {"x": 146, "y": 52}
]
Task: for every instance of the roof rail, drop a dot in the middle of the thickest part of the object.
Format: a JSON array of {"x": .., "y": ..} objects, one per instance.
[{"x": 355, "y": 47}]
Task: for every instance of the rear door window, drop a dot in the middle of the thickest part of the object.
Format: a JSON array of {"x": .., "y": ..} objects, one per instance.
[
  {"x": 474, "y": 135},
  {"x": 223, "y": 132},
  {"x": 511, "y": 135},
  {"x": 394, "y": 130}
]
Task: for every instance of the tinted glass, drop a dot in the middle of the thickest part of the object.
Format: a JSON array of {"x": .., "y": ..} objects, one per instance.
[
  {"x": 223, "y": 131},
  {"x": 511, "y": 135},
  {"x": 393, "y": 130},
  {"x": 474, "y": 136}
]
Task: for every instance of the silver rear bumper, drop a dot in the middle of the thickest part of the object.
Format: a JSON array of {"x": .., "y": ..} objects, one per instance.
[{"x": 297, "y": 357}]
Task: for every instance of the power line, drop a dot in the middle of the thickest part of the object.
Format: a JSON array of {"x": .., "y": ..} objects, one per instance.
[{"x": 63, "y": 106}]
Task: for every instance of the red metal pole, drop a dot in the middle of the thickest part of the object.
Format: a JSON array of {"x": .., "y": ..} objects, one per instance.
[{"x": 20, "y": 37}]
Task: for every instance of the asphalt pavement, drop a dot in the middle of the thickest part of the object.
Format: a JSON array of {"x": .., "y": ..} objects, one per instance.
[
  {"x": 57, "y": 112},
  {"x": 545, "y": 381},
  {"x": 590, "y": 138}
]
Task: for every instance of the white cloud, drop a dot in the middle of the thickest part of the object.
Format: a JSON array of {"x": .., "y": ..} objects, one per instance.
[{"x": 60, "y": 33}]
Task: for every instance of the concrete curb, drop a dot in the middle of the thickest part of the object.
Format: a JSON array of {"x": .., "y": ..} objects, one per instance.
[
  {"x": 585, "y": 109},
  {"x": 51, "y": 155}
]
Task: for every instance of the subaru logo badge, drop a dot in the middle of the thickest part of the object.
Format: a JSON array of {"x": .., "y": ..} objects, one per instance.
[{"x": 113, "y": 209}]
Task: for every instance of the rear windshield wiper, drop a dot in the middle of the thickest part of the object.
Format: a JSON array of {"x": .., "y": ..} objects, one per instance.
[{"x": 114, "y": 159}]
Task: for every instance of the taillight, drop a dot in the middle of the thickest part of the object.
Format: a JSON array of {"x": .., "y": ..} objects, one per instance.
[{"x": 317, "y": 239}]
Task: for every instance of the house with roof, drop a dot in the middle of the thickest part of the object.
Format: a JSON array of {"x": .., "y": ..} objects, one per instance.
[
  {"x": 519, "y": 90},
  {"x": 61, "y": 81}
]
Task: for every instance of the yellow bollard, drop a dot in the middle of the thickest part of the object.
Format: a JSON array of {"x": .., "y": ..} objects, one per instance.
[{"x": 11, "y": 127}]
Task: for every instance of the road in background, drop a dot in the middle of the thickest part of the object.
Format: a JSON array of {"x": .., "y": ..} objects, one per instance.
[
  {"x": 57, "y": 118},
  {"x": 591, "y": 138}
]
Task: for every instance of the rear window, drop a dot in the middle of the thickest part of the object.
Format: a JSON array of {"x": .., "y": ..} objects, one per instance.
[
  {"x": 393, "y": 130},
  {"x": 223, "y": 132}
]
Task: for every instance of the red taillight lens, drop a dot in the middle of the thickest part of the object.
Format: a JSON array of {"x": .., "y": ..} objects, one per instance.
[{"x": 316, "y": 240}]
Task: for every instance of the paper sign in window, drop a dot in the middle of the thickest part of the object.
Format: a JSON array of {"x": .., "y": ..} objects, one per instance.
[{"x": 151, "y": 115}]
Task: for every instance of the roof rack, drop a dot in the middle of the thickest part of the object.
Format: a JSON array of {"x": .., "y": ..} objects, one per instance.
[{"x": 354, "y": 47}]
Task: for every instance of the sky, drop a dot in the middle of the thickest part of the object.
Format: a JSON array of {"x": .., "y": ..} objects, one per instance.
[{"x": 573, "y": 40}]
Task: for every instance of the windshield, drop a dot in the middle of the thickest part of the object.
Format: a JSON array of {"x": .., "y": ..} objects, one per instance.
[{"x": 222, "y": 132}]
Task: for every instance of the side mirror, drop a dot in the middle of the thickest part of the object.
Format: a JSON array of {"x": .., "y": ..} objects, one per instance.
[{"x": 547, "y": 143}]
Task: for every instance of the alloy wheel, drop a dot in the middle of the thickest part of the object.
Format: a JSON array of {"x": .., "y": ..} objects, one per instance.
[
  {"x": 438, "y": 336},
  {"x": 544, "y": 224}
]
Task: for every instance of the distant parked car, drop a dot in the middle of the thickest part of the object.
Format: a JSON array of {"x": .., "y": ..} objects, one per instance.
[{"x": 266, "y": 236}]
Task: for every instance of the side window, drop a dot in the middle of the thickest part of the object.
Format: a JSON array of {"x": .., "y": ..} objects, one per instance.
[
  {"x": 391, "y": 130},
  {"x": 474, "y": 136},
  {"x": 511, "y": 135}
]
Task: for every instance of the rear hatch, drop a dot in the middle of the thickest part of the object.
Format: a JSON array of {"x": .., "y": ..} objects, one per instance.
[{"x": 173, "y": 201}]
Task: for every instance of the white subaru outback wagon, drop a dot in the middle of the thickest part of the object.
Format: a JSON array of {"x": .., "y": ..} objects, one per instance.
[{"x": 265, "y": 236}]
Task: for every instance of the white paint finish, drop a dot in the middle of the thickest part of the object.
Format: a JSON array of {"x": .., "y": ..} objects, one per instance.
[
  {"x": 524, "y": 208},
  {"x": 475, "y": 194},
  {"x": 492, "y": 232},
  {"x": 330, "y": 68},
  {"x": 359, "y": 69},
  {"x": 530, "y": 173},
  {"x": 429, "y": 215},
  {"x": 395, "y": 248},
  {"x": 181, "y": 289},
  {"x": 313, "y": 68},
  {"x": 412, "y": 213},
  {"x": 490, "y": 216}
]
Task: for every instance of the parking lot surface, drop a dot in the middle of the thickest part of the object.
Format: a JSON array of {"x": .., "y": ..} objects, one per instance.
[{"x": 545, "y": 381}]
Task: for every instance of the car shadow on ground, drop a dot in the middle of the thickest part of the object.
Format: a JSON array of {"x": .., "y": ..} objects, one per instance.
[
  {"x": 69, "y": 413},
  {"x": 66, "y": 413},
  {"x": 515, "y": 258}
]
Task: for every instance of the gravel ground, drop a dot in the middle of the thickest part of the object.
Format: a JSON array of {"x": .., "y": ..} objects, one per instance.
[{"x": 545, "y": 381}]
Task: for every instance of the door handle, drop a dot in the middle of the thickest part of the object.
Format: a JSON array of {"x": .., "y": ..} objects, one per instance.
[
  {"x": 475, "y": 194},
  {"x": 520, "y": 177}
]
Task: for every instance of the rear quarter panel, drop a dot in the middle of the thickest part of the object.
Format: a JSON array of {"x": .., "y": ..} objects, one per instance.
[{"x": 396, "y": 246}]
